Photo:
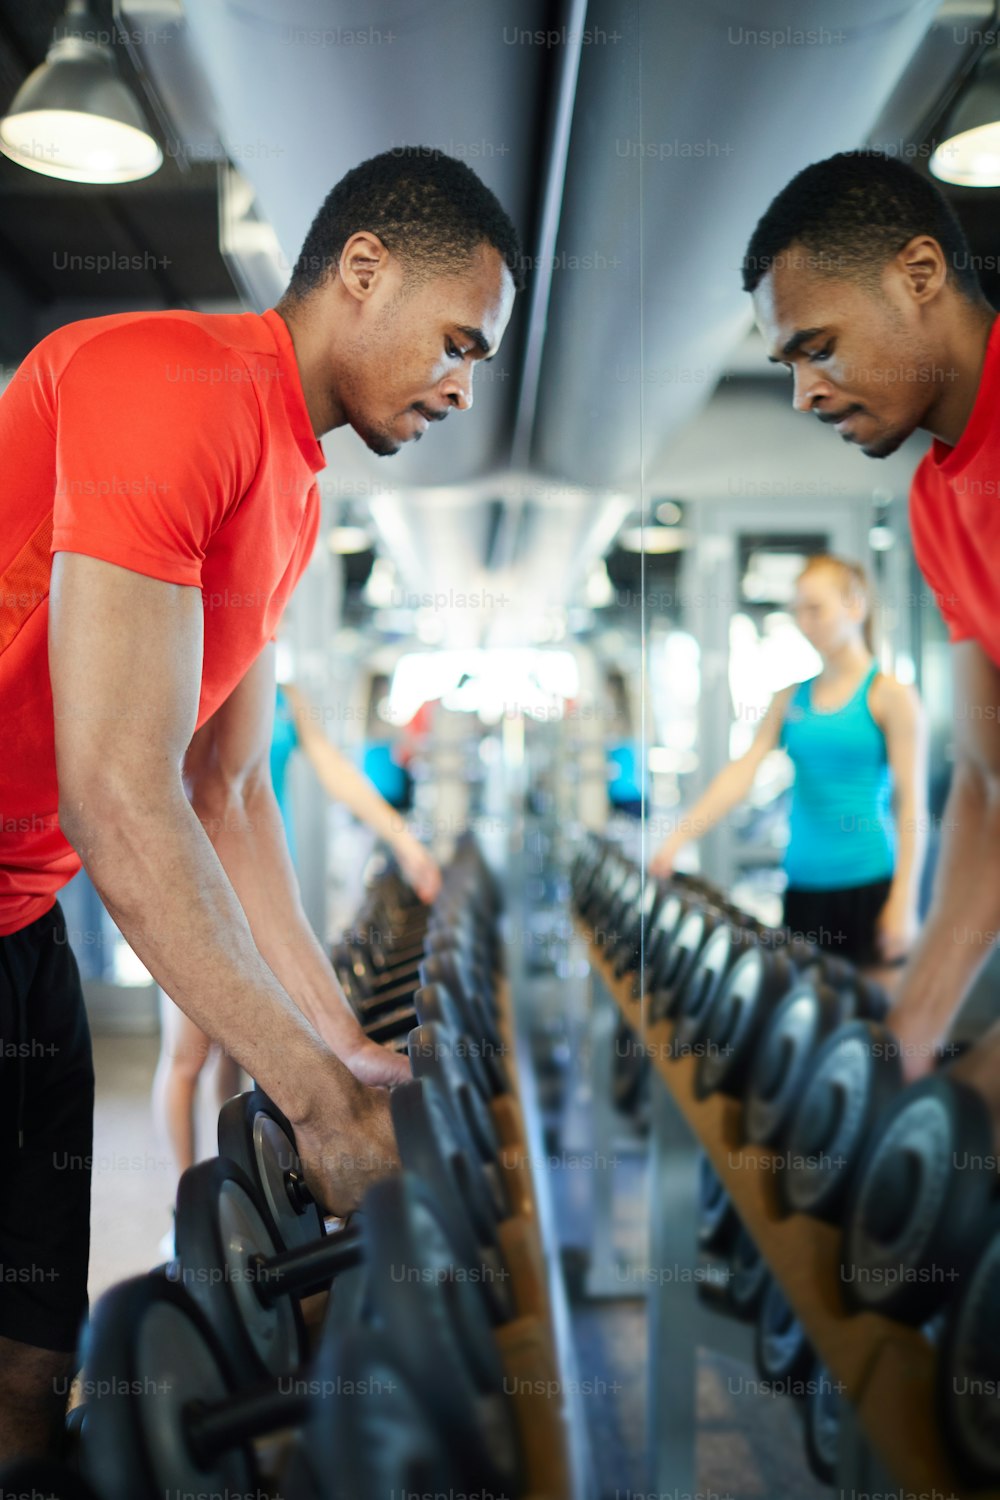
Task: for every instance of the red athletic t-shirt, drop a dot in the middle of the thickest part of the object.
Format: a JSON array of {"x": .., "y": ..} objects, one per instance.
[
  {"x": 955, "y": 517},
  {"x": 174, "y": 444}
]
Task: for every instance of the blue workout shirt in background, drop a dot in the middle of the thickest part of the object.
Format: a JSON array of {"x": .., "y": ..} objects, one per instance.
[
  {"x": 283, "y": 742},
  {"x": 841, "y": 828}
]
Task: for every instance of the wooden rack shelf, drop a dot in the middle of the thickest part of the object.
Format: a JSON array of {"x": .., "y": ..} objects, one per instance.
[{"x": 886, "y": 1369}]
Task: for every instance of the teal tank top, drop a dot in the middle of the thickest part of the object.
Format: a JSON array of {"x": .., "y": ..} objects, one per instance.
[
  {"x": 284, "y": 739},
  {"x": 842, "y": 832}
]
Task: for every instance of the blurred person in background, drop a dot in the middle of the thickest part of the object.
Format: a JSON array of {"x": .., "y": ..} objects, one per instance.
[{"x": 858, "y": 821}]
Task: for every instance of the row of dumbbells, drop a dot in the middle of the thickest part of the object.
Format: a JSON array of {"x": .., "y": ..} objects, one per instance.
[
  {"x": 798, "y": 1036},
  {"x": 377, "y": 1345},
  {"x": 735, "y": 1279}
]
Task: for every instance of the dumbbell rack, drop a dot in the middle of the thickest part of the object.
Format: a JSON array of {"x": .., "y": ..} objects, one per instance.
[
  {"x": 884, "y": 1370},
  {"x": 571, "y": 1474}
]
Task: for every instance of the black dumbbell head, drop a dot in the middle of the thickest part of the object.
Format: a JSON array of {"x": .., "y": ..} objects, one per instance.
[
  {"x": 852, "y": 1077},
  {"x": 918, "y": 1208},
  {"x": 791, "y": 1036},
  {"x": 968, "y": 1368},
  {"x": 743, "y": 1005},
  {"x": 256, "y": 1136},
  {"x": 150, "y": 1355}
]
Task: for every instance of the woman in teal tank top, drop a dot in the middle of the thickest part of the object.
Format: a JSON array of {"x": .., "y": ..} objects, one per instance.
[{"x": 859, "y": 816}]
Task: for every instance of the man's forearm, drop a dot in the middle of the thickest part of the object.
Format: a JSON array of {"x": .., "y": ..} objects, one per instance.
[
  {"x": 163, "y": 884},
  {"x": 961, "y": 925},
  {"x": 248, "y": 836}
]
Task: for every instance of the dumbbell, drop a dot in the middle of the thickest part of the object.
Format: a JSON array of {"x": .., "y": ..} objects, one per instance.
[
  {"x": 802, "y": 1020},
  {"x": 476, "y": 998},
  {"x": 439, "y": 1054},
  {"x": 484, "y": 1058},
  {"x": 718, "y": 1221},
  {"x": 431, "y": 1147},
  {"x": 968, "y": 1368},
  {"x": 732, "y": 1031},
  {"x": 389, "y": 1013},
  {"x": 248, "y": 1288},
  {"x": 671, "y": 912},
  {"x": 693, "y": 933},
  {"x": 253, "y": 1133},
  {"x": 630, "y": 1071},
  {"x": 435, "y": 1053},
  {"x": 621, "y": 907},
  {"x": 587, "y": 874},
  {"x": 748, "y": 1277},
  {"x": 377, "y": 1434},
  {"x": 852, "y": 1077},
  {"x": 246, "y": 1283},
  {"x": 148, "y": 1334},
  {"x": 821, "y": 1415},
  {"x": 918, "y": 1209},
  {"x": 600, "y": 889},
  {"x": 43, "y": 1479},
  {"x": 827, "y": 993},
  {"x": 782, "y": 1352},
  {"x": 638, "y": 928},
  {"x": 711, "y": 970}
]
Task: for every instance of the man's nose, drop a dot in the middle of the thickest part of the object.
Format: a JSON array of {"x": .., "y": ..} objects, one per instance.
[
  {"x": 457, "y": 388},
  {"x": 808, "y": 386}
]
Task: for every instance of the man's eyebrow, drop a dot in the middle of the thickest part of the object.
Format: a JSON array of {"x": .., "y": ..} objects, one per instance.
[
  {"x": 480, "y": 340},
  {"x": 795, "y": 343}
]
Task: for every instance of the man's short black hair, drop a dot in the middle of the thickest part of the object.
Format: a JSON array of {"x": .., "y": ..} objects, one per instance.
[
  {"x": 851, "y": 214},
  {"x": 425, "y": 207}
]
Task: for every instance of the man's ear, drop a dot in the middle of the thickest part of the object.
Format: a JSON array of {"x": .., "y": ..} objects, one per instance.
[
  {"x": 923, "y": 265},
  {"x": 362, "y": 263}
]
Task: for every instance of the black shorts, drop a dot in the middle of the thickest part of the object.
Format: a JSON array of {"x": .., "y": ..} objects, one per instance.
[
  {"x": 46, "y": 1137},
  {"x": 839, "y": 921}
]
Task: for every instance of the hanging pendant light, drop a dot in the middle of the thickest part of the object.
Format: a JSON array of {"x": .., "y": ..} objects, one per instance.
[
  {"x": 969, "y": 153},
  {"x": 75, "y": 117}
]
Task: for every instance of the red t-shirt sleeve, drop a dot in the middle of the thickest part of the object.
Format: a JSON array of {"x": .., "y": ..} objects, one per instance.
[
  {"x": 158, "y": 435},
  {"x": 928, "y": 555}
]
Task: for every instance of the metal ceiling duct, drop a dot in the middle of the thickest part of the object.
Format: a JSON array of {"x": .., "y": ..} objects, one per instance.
[
  {"x": 679, "y": 143},
  {"x": 308, "y": 89},
  {"x": 688, "y": 117}
]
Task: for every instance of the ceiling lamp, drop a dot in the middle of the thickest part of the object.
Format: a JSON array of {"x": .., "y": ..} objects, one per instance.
[
  {"x": 74, "y": 117},
  {"x": 969, "y": 153}
]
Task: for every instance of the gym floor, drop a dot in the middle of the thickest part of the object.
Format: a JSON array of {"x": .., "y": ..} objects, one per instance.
[{"x": 133, "y": 1184}]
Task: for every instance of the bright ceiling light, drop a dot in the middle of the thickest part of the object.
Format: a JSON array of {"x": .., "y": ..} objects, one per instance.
[
  {"x": 74, "y": 117},
  {"x": 650, "y": 539},
  {"x": 969, "y": 153}
]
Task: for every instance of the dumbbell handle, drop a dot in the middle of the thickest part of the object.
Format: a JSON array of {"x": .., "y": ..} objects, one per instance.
[
  {"x": 305, "y": 1268},
  {"x": 216, "y": 1427}
]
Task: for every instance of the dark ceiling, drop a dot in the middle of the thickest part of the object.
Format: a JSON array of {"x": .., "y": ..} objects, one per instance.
[
  {"x": 149, "y": 243},
  {"x": 155, "y": 242}
]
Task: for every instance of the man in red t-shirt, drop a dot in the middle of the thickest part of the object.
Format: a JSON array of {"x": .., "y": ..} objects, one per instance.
[
  {"x": 864, "y": 287},
  {"x": 159, "y": 505}
]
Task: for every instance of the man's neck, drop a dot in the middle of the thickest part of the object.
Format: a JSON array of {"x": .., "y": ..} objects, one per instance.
[
  {"x": 311, "y": 355},
  {"x": 961, "y": 374}
]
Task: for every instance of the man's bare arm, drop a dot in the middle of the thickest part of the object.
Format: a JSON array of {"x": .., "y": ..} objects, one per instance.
[
  {"x": 125, "y": 657},
  {"x": 228, "y": 774},
  {"x": 964, "y": 916}
]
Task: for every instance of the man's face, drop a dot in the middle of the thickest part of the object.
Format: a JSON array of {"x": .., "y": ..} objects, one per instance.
[
  {"x": 860, "y": 358},
  {"x": 413, "y": 357}
]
